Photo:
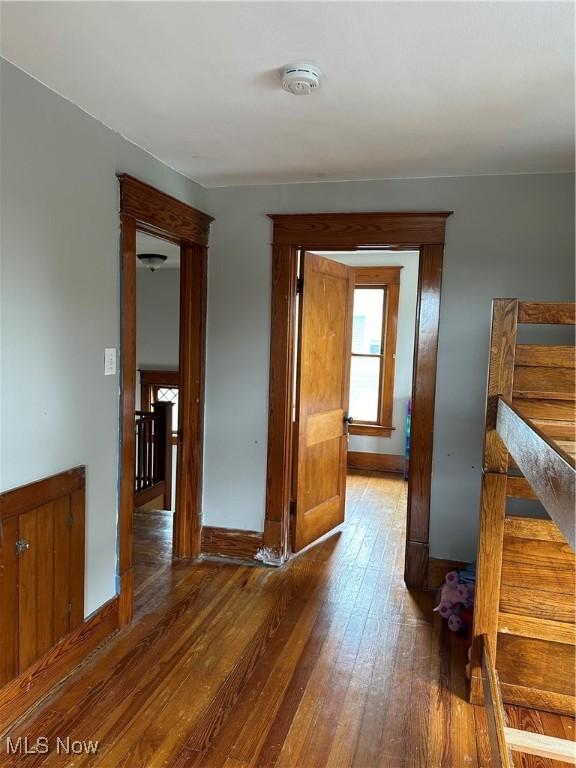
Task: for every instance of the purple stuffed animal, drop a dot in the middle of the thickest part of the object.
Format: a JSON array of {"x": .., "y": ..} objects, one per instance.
[{"x": 454, "y": 595}]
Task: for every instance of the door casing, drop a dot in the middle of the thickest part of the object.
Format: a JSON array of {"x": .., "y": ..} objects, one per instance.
[
  {"x": 146, "y": 209},
  {"x": 422, "y": 231}
]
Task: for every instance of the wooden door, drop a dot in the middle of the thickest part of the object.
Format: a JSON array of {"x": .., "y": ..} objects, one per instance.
[
  {"x": 42, "y": 551},
  {"x": 50, "y": 575},
  {"x": 323, "y": 379}
]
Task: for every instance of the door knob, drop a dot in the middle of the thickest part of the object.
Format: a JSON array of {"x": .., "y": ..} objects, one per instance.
[
  {"x": 22, "y": 545},
  {"x": 347, "y": 421}
]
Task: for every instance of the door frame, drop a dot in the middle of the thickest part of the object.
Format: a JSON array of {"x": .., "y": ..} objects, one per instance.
[
  {"x": 146, "y": 209},
  {"x": 421, "y": 230}
]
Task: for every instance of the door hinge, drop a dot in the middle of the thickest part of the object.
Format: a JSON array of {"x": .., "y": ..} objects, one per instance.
[
  {"x": 69, "y": 608},
  {"x": 70, "y": 520},
  {"x": 299, "y": 285},
  {"x": 292, "y": 507}
]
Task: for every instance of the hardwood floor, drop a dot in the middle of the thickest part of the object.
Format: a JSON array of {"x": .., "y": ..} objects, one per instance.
[
  {"x": 152, "y": 553},
  {"x": 329, "y": 661}
]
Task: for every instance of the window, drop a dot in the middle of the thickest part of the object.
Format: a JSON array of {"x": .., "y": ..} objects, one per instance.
[
  {"x": 169, "y": 395},
  {"x": 374, "y": 322},
  {"x": 160, "y": 386}
]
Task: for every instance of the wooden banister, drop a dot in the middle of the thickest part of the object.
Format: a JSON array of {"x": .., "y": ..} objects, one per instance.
[{"x": 153, "y": 468}]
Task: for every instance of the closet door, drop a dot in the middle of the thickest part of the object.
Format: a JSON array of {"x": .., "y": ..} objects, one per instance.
[
  {"x": 35, "y": 583},
  {"x": 41, "y": 567},
  {"x": 50, "y": 551}
]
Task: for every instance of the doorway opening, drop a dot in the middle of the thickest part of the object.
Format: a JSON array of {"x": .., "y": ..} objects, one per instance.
[
  {"x": 157, "y": 400},
  {"x": 423, "y": 232},
  {"x": 354, "y": 343},
  {"x": 146, "y": 211}
]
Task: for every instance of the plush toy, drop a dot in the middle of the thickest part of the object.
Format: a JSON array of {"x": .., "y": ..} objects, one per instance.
[
  {"x": 465, "y": 594},
  {"x": 455, "y": 623},
  {"x": 452, "y": 579},
  {"x": 457, "y": 598}
]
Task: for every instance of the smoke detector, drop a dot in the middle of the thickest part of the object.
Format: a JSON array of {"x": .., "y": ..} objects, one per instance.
[{"x": 300, "y": 79}]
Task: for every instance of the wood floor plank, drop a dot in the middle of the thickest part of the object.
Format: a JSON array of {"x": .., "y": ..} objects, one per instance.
[
  {"x": 328, "y": 662},
  {"x": 186, "y": 688},
  {"x": 346, "y": 728},
  {"x": 293, "y": 666},
  {"x": 326, "y": 693},
  {"x": 269, "y": 682}
]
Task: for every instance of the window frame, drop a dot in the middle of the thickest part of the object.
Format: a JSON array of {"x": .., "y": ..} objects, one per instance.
[
  {"x": 387, "y": 278},
  {"x": 150, "y": 381}
]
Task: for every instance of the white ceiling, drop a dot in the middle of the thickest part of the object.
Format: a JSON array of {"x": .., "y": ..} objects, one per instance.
[{"x": 410, "y": 89}]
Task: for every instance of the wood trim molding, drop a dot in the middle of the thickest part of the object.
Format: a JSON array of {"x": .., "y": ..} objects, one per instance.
[
  {"x": 127, "y": 415},
  {"x": 377, "y": 275},
  {"x": 423, "y": 399},
  {"x": 357, "y": 230},
  {"x": 229, "y": 542},
  {"x": 387, "y": 278},
  {"x": 161, "y": 214},
  {"x": 424, "y": 231},
  {"x": 43, "y": 491},
  {"x": 20, "y": 694},
  {"x": 279, "y": 465},
  {"x": 163, "y": 378},
  {"x": 144, "y": 208},
  {"x": 370, "y": 430},
  {"x": 375, "y": 462},
  {"x": 189, "y": 467}
]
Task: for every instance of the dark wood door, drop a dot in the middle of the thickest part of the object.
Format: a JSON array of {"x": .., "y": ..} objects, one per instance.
[
  {"x": 50, "y": 575},
  {"x": 323, "y": 378},
  {"x": 42, "y": 551}
]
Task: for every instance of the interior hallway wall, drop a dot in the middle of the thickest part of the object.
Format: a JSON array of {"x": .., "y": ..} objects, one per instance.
[
  {"x": 508, "y": 236},
  {"x": 158, "y": 318},
  {"x": 60, "y": 299}
]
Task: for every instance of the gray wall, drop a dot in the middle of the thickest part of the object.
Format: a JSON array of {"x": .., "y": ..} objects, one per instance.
[
  {"x": 60, "y": 299},
  {"x": 509, "y": 236},
  {"x": 157, "y": 313}
]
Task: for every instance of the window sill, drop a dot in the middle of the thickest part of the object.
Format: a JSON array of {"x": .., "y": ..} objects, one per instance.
[{"x": 370, "y": 430}]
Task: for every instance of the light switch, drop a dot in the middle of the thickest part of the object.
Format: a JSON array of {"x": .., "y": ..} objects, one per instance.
[{"x": 110, "y": 361}]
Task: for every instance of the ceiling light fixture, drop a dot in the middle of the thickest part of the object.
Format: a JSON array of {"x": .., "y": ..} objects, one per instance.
[
  {"x": 152, "y": 260},
  {"x": 301, "y": 78}
]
